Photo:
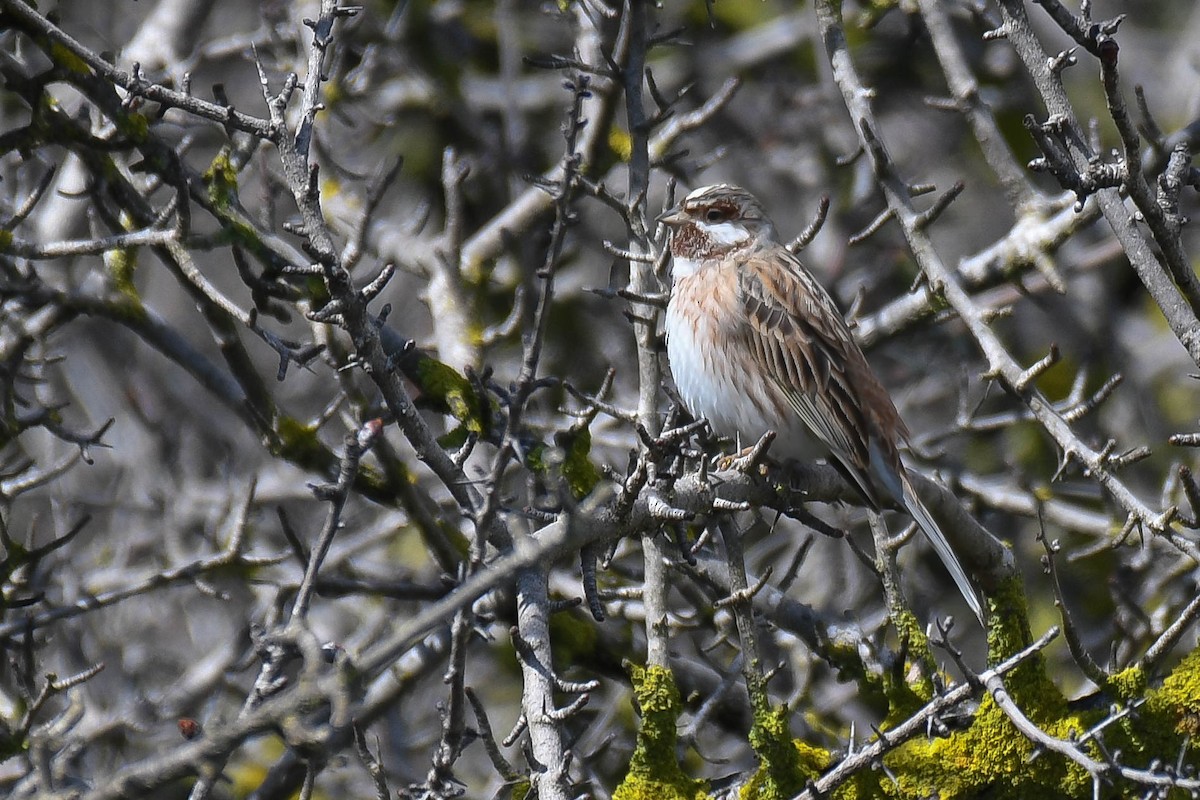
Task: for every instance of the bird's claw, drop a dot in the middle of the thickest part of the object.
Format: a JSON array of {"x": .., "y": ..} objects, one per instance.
[{"x": 751, "y": 460}]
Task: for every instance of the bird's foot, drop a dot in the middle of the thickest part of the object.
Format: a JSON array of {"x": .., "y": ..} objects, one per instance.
[{"x": 751, "y": 460}]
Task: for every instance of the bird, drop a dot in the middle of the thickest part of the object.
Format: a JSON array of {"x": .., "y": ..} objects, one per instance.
[{"x": 755, "y": 343}]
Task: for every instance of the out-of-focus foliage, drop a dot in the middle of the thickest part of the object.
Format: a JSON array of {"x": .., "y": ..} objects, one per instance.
[{"x": 203, "y": 377}]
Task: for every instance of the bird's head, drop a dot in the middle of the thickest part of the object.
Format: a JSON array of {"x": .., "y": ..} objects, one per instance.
[{"x": 714, "y": 221}]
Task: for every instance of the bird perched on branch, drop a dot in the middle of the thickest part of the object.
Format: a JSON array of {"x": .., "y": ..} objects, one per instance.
[{"x": 756, "y": 344}]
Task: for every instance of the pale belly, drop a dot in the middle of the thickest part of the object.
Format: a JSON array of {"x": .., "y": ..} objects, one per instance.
[{"x": 717, "y": 381}]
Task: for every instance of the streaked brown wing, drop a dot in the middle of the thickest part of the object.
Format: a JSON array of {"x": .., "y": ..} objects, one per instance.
[{"x": 798, "y": 336}]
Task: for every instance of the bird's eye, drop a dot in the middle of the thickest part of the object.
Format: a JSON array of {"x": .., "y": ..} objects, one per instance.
[{"x": 714, "y": 215}]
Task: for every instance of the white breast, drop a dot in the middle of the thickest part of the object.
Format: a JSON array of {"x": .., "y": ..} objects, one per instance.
[{"x": 713, "y": 371}]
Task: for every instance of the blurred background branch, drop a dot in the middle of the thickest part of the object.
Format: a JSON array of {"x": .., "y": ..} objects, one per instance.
[{"x": 338, "y": 451}]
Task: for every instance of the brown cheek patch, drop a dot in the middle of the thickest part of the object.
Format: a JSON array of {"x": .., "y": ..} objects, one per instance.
[{"x": 688, "y": 241}]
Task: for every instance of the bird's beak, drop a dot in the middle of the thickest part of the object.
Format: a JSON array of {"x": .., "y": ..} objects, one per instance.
[{"x": 672, "y": 218}]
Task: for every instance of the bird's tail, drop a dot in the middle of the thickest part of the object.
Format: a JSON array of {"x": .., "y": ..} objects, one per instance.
[{"x": 918, "y": 511}]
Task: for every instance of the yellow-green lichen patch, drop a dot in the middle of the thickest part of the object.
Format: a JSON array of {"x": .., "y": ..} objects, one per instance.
[
  {"x": 912, "y": 638},
  {"x": 785, "y": 766},
  {"x": 447, "y": 390},
  {"x": 122, "y": 264},
  {"x": 654, "y": 772},
  {"x": 906, "y": 697},
  {"x": 991, "y": 759},
  {"x": 620, "y": 143},
  {"x": 1127, "y": 685},
  {"x": 67, "y": 59},
  {"x": 1177, "y": 701},
  {"x": 844, "y": 655},
  {"x": 1008, "y": 621},
  {"x": 241, "y": 233},
  {"x": 221, "y": 179},
  {"x": 578, "y": 470},
  {"x": 300, "y": 444},
  {"x": 908, "y": 692},
  {"x": 133, "y": 126}
]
